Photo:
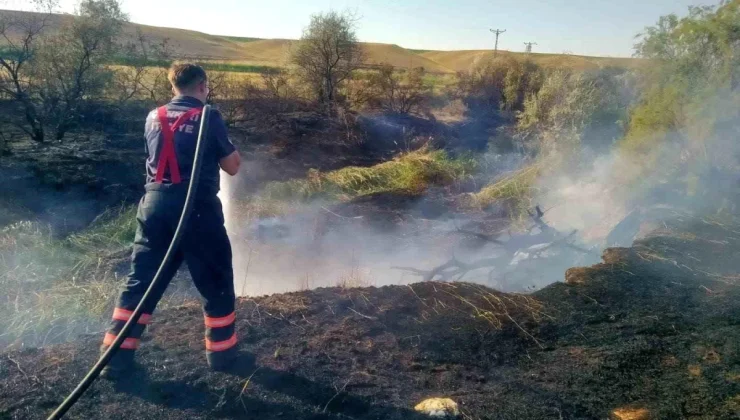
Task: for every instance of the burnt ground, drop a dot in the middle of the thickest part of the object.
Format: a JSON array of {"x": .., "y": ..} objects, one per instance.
[{"x": 654, "y": 327}]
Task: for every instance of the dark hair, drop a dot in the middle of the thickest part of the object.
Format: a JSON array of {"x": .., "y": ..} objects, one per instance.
[{"x": 186, "y": 75}]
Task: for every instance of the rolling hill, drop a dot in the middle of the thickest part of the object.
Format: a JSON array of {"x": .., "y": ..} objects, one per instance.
[
  {"x": 274, "y": 52},
  {"x": 464, "y": 60}
]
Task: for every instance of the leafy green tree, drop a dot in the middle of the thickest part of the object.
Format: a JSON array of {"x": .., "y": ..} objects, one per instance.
[
  {"x": 687, "y": 121},
  {"x": 694, "y": 62}
]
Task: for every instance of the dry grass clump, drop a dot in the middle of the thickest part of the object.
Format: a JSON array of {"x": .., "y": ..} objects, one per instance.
[
  {"x": 495, "y": 308},
  {"x": 354, "y": 278},
  {"x": 411, "y": 173},
  {"x": 516, "y": 191}
]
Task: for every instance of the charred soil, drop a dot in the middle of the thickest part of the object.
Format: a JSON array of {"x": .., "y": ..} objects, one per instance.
[{"x": 654, "y": 329}]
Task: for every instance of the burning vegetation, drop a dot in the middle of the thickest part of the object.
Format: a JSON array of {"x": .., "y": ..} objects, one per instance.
[{"x": 520, "y": 240}]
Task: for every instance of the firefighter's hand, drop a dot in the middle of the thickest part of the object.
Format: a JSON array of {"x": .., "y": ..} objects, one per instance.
[{"x": 231, "y": 163}]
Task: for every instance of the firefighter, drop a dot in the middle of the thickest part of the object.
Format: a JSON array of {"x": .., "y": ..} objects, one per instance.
[{"x": 171, "y": 133}]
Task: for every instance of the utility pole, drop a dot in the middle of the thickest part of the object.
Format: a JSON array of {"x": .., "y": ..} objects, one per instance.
[
  {"x": 497, "y": 32},
  {"x": 529, "y": 46}
]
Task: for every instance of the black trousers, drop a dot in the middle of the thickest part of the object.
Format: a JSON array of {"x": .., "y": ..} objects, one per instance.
[{"x": 204, "y": 247}]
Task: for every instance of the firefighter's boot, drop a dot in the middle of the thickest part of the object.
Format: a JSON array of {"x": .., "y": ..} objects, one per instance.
[
  {"x": 122, "y": 363},
  {"x": 221, "y": 342}
]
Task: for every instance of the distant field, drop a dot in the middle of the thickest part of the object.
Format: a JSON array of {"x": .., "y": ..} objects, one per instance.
[
  {"x": 464, "y": 60},
  {"x": 241, "y": 38},
  {"x": 221, "y": 66},
  {"x": 249, "y": 54}
]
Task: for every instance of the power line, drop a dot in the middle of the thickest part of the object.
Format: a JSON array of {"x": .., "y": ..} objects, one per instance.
[
  {"x": 497, "y": 32},
  {"x": 529, "y": 46}
]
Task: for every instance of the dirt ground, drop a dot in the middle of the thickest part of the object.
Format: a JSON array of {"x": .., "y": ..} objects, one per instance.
[{"x": 654, "y": 331}]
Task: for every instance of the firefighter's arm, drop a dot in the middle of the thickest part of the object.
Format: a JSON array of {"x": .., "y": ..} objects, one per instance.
[
  {"x": 229, "y": 158},
  {"x": 231, "y": 163}
]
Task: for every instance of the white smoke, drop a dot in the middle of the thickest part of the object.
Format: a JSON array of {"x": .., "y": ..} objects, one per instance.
[{"x": 589, "y": 200}]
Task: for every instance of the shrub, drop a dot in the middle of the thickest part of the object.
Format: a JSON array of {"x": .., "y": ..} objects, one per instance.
[
  {"x": 575, "y": 110},
  {"x": 399, "y": 92},
  {"x": 685, "y": 124},
  {"x": 499, "y": 84}
]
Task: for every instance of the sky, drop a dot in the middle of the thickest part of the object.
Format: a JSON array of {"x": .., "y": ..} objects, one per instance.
[{"x": 584, "y": 27}]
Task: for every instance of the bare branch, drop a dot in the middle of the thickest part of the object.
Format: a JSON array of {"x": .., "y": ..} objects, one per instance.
[{"x": 455, "y": 270}]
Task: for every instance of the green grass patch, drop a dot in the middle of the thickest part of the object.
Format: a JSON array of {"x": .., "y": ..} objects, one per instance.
[
  {"x": 55, "y": 288},
  {"x": 440, "y": 82},
  {"x": 207, "y": 65},
  {"x": 111, "y": 231},
  {"x": 241, "y": 38},
  {"x": 411, "y": 173},
  {"x": 238, "y": 68}
]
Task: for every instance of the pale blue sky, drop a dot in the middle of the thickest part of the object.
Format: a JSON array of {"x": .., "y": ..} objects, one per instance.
[{"x": 589, "y": 27}]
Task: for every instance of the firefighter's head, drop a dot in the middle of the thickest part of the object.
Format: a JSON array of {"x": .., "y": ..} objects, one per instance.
[{"x": 189, "y": 79}]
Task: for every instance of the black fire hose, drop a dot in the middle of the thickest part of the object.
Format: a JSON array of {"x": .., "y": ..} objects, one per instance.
[{"x": 186, "y": 210}]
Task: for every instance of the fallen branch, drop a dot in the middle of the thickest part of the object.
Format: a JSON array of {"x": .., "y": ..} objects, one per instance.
[
  {"x": 485, "y": 237},
  {"x": 340, "y": 216},
  {"x": 34, "y": 378},
  {"x": 339, "y": 391},
  {"x": 246, "y": 384},
  {"x": 364, "y": 316},
  {"x": 455, "y": 270}
]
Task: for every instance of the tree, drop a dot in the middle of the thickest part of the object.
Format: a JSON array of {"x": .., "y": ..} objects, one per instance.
[
  {"x": 684, "y": 127},
  {"x": 328, "y": 53},
  {"x": 21, "y": 33},
  {"x": 70, "y": 67},
  {"x": 396, "y": 92},
  {"x": 692, "y": 85}
]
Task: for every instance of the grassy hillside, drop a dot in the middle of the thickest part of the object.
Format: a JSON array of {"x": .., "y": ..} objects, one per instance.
[
  {"x": 249, "y": 51},
  {"x": 273, "y": 52},
  {"x": 401, "y": 57},
  {"x": 184, "y": 43}
]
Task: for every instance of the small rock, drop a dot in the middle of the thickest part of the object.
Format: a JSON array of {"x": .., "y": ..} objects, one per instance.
[
  {"x": 415, "y": 366},
  {"x": 712, "y": 356},
  {"x": 695, "y": 371},
  {"x": 438, "y": 407},
  {"x": 631, "y": 414}
]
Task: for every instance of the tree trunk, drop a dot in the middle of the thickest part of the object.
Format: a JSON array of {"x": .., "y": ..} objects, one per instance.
[
  {"x": 37, "y": 129},
  {"x": 61, "y": 131},
  {"x": 38, "y": 134}
]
